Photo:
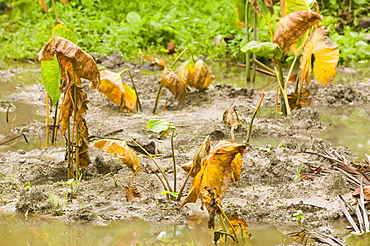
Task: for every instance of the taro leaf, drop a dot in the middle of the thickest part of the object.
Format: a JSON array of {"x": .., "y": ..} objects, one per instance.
[
  {"x": 159, "y": 126},
  {"x": 121, "y": 150},
  {"x": 203, "y": 76},
  {"x": 202, "y": 152},
  {"x": 236, "y": 167},
  {"x": 171, "y": 81},
  {"x": 50, "y": 74},
  {"x": 186, "y": 72},
  {"x": 118, "y": 92},
  {"x": 132, "y": 194},
  {"x": 72, "y": 59},
  {"x": 290, "y": 6},
  {"x": 293, "y": 26},
  {"x": 215, "y": 174},
  {"x": 326, "y": 57},
  {"x": 265, "y": 49}
]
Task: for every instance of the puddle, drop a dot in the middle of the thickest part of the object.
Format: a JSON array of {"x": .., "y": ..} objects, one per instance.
[
  {"x": 347, "y": 126},
  {"x": 16, "y": 230}
]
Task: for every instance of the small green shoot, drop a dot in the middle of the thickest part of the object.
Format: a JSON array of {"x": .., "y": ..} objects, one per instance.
[
  {"x": 299, "y": 216},
  {"x": 171, "y": 193},
  {"x": 27, "y": 185}
]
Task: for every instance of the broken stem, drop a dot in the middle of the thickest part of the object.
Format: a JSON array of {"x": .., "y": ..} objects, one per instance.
[
  {"x": 157, "y": 98},
  {"x": 13, "y": 138},
  {"x": 174, "y": 160}
]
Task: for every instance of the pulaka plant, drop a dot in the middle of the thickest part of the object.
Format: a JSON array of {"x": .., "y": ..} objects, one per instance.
[{"x": 298, "y": 33}]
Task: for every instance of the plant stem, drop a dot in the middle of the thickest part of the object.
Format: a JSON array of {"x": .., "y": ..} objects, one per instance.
[
  {"x": 174, "y": 161},
  {"x": 55, "y": 127},
  {"x": 77, "y": 140},
  {"x": 264, "y": 66},
  {"x": 47, "y": 116},
  {"x": 133, "y": 86},
  {"x": 178, "y": 57},
  {"x": 228, "y": 221},
  {"x": 157, "y": 98},
  {"x": 254, "y": 55},
  {"x": 154, "y": 161},
  {"x": 55, "y": 10},
  {"x": 284, "y": 98},
  {"x": 247, "y": 54},
  {"x": 70, "y": 166},
  {"x": 253, "y": 116}
]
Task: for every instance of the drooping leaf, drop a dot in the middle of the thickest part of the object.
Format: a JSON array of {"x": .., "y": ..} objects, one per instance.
[
  {"x": 161, "y": 63},
  {"x": 229, "y": 119},
  {"x": 265, "y": 49},
  {"x": 293, "y": 26},
  {"x": 118, "y": 92},
  {"x": 216, "y": 173},
  {"x": 203, "y": 76},
  {"x": 121, "y": 150},
  {"x": 72, "y": 60},
  {"x": 172, "y": 82},
  {"x": 50, "y": 74},
  {"x": 290, "y": 6},
  {"x": 239, "y": 224},
  {"x": 326, "y": 57},
  {"x": 60, "y": 30},
  {"x": 158, "y": 126},
  {"x": 202, "y": 152},
  {"x": 186, "y": 72}
]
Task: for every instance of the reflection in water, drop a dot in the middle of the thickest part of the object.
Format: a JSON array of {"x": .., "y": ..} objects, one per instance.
[{"x": 16, "y": 230}]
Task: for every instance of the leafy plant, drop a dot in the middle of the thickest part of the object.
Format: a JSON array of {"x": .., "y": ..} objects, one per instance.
[{"x": 299, "y": 216}]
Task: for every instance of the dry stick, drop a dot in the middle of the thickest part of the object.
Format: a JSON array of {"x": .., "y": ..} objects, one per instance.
[
  {"x": 13, "y": 138},
  {"x": 174, "y": 161},
  {"x": 150, "y": 156},
  {"x": 348, "y": 216},
  {"x": 133, "y": 86},
  {"x": 255, "y": 39},
  {"x": 362, "y": 206},
  {"x": 253, "y": 116}
]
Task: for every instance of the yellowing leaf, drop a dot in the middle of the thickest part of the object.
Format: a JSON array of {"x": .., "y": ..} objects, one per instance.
[
  {"x": 203, "y": 76},
  {"x": 293, "y": 26},
  {"x": 118, "y": 92},
  {"x": 43, "y": 6},
  {"x": 229, "y": 119},
  {"x": 72, "y": 60},
  {"x": 132, "y": 194},
  {"x": 326, "y": 57},
  {"x": 202, "y": 152},
  {"x": 238, "y": 224},
  {"x": 171, "y": 81},
  {"x": 290, "y": 6},
  {"x": 304, "y": 100},
  {"x": 121, "y": 150},
  {"x": 216, "y": 173},
  {"x": 186, "y": 72}
]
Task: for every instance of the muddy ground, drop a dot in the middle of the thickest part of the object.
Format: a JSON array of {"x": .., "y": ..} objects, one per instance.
[{"x": 269, "y": 189}]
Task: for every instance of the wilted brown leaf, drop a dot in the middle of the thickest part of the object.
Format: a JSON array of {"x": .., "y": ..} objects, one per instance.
[
  {"x": 171, "y": 81},
  {"x": 229, "y": 119},
  {"x": 159, "y": 62},
  {"x": 216, "y": 172},
  {"x": 202, "y": 152},
  {"x": 132, "y": 194},
  {"x": 72, "y": 60},
  {"x": 366, "y": 189},
  {"x": 118, "y": 92},
  {"x": 186, "y": 72},
  {"x": 43, "y": 6},
  {"x": 203, "y": 76},
  {"x": 326, "y": 57},
  {"x": 120, "y": 150},
  {"x": 304, "y": 100},
  {"x": 293, "y": 26},
  {"x": 238, "y": 224}
]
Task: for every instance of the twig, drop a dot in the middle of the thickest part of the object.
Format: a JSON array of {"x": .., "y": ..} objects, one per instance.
[
  {"x": 13, "y": 138},
  {"x": 253, "y": 116}
]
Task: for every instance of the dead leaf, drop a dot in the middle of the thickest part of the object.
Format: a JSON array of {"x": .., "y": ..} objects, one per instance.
[
  {"x": 72, "y": 59},
  {"x": 366, "y": 188},
  {"x": 121, "y": 150},
  {"x": 229, "y": 119},
  {"x": 118, "y": 92},
  {"x": 171, "y": 47},
  {"x": 216, "y": 172},
  {"x": 159, "y": 62},
  {"x": 238, "y": 224},
  {"x": 293, "y": 26},
  {"x": 132, "y": 194},
  {"x": 304, "y": 100},
  {"x": 326, "y": 57},
  {"x": 186, "y": 72},
  {"x": 203, "y": 76},
  {"x": 171, "y": 81},
  {"x": 43, "y": 6},
  {"x": 202, "y": 152}
]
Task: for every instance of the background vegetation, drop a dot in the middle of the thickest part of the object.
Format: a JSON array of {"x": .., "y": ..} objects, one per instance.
[{"x": 136, "y": 27}]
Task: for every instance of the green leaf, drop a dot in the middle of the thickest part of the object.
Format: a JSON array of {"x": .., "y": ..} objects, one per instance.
[
  {"x": 290, "y": 6},
  {"x": 158, "y": 126},
  {"x": 50, "y": 74},
  {"x": 172, "y": 193},
  {"x": 133, "y": 17},
  {"x": 265, "y": 49},
  {"x": 60, "y": 30}
]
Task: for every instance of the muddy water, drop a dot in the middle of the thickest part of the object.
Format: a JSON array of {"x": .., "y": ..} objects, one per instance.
[{"x": 18, "y": 230}]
